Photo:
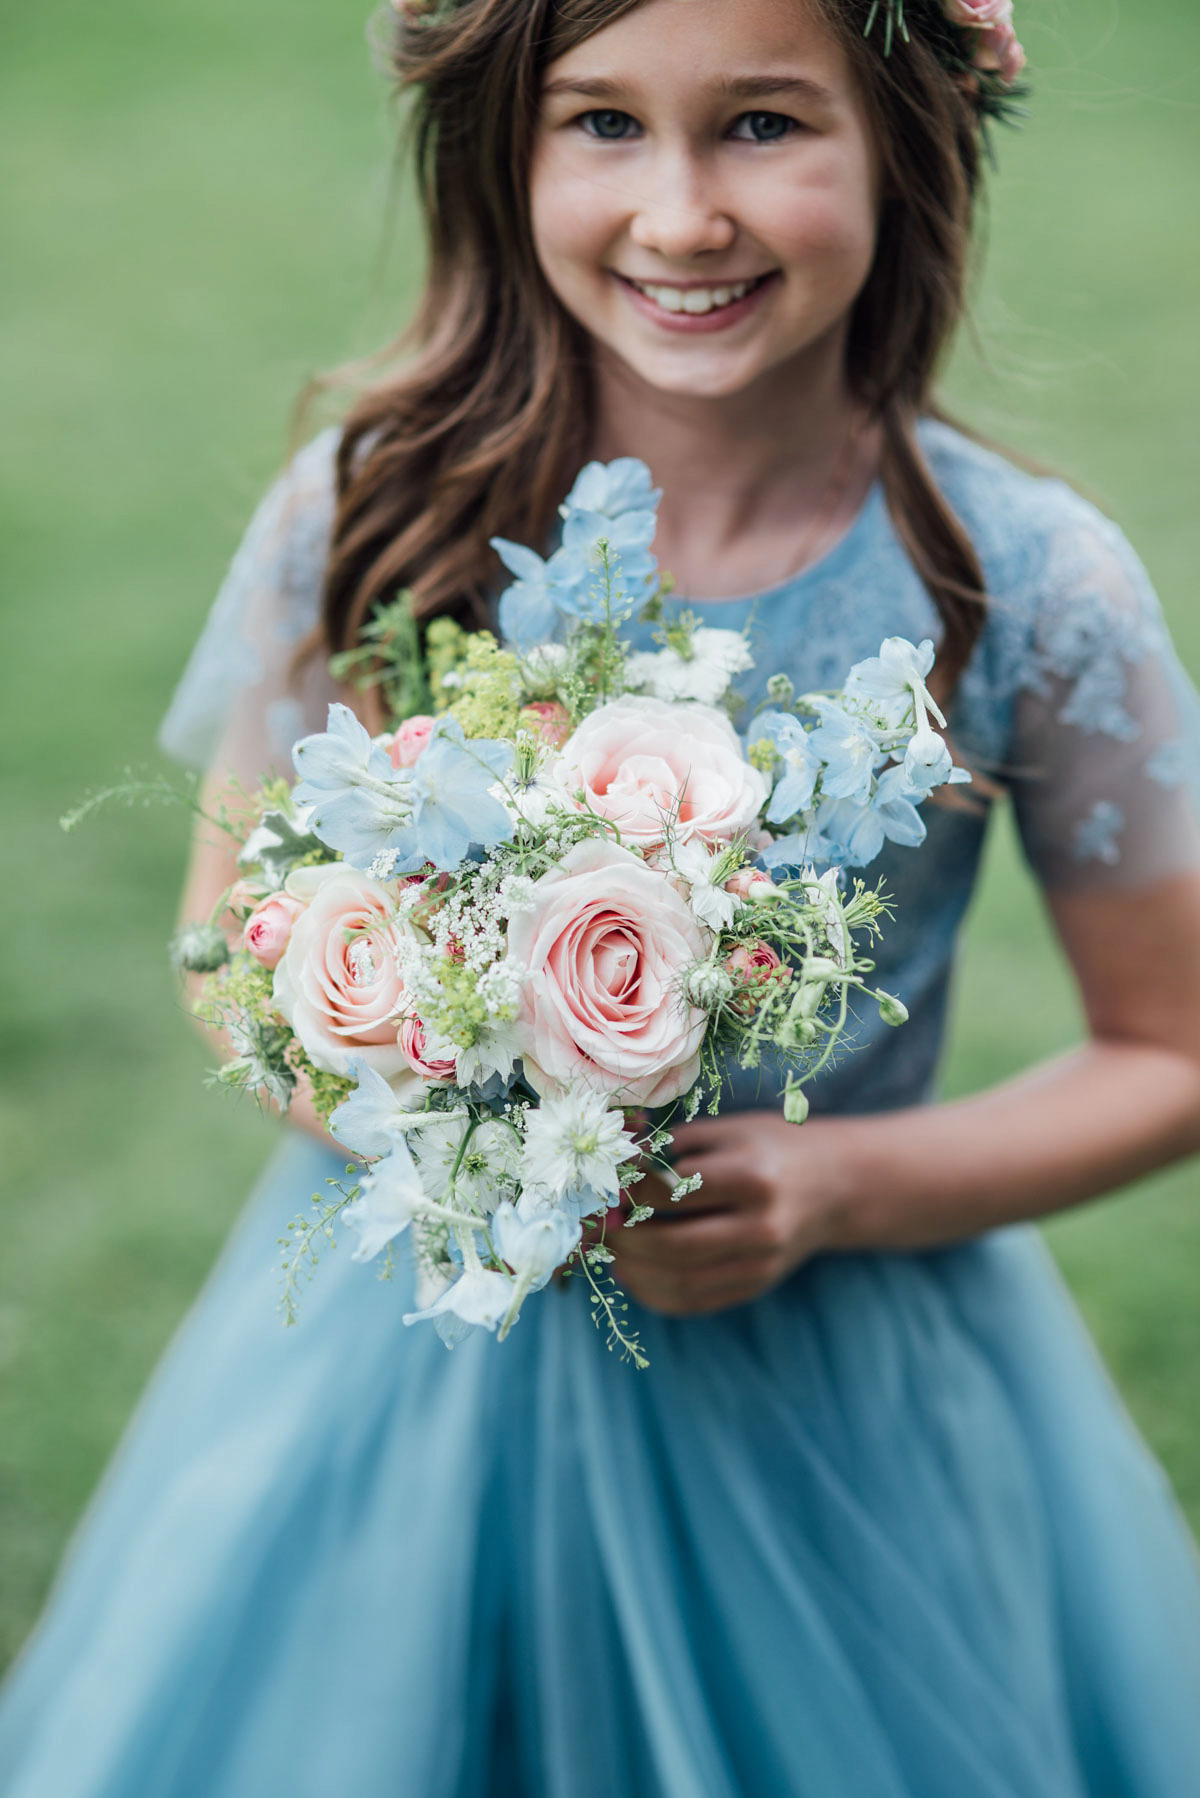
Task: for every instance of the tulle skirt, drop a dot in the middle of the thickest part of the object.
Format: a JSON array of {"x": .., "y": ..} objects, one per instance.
[{"x": 886, "y": 1533}]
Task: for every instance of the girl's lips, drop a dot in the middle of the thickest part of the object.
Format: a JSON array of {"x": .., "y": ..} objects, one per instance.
[{"x": 690, "y": 323}]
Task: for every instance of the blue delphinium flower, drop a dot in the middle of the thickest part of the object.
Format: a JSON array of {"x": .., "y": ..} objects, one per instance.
[
  {"x": 857, "y": 829},
  {"x": 580, "y": 585},
  {"x": 372, "y": 1120},
  {"x": 848, "y": 750},
  {"x": 528, "y": 609},
  {"x": 794, "y": 789},
  {"x": 612, "y": 488},
  {"x": 432, "y": 812}
]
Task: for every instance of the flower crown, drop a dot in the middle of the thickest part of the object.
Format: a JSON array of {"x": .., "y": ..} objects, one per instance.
[{"x": 974, "y": 39}]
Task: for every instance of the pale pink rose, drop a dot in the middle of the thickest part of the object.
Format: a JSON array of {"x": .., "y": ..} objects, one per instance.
[
  {"x": 245, "y": 894},
  {"x": 549, "y": 721},
  {"x": 746, "y": 881},
  {"x": 338, "y": 984},
  {"x": 269, "y": 926},
  {"x": 412, "y": 1041},
  {"x": 654, "y": 767},
  {"x": 982, "y": 15},
  {"x": 607, "y": 943},
  {"x": 410, "y": 739}
]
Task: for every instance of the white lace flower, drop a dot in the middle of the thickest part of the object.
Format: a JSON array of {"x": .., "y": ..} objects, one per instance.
[
  {"x": 574, "y": 1140},
  {"x": 486, "y": 1172},
  {"x": 716, "y": 656}
]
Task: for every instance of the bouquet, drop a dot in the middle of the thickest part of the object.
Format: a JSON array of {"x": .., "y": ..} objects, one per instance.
[{"x": 510, "y": 940}]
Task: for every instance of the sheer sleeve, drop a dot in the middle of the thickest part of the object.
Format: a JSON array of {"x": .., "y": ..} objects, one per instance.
[
  {"x": 1105, "y": 754},
  {"x": 240, "y": 704}
]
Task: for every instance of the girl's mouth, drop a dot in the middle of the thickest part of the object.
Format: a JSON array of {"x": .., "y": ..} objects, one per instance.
[{"x": 697, "y": 307}]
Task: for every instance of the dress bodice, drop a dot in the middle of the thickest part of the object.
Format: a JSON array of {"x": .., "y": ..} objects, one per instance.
[{"x": 1073, "y": 703}]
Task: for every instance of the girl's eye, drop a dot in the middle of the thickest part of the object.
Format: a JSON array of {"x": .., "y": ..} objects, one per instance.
[
  {"x": 608, "y": 124},
  {"x": 762, "y": 127}
]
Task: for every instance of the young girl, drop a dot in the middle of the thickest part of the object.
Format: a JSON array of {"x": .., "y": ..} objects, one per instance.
[{"x": 874, "y": 1524}]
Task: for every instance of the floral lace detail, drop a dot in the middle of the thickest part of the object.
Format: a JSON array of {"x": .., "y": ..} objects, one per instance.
[{"x": 1096, "y": 837}]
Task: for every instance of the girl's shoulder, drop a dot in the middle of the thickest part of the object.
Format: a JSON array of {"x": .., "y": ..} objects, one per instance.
[{"x": 1067, "y": 595}]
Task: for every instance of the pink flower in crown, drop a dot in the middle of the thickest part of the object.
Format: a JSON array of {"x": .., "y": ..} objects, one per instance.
[
  {"x": 1000, "y": 54},
  {"x": 979, "y": 15},
  {"x": 412, "y": 1041}
]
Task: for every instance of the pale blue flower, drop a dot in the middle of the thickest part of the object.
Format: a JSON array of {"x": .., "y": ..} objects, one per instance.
[
  {"x": 858, "y": 830},
  {"x": 848, "y": 751},
  {"x": 534, "y": 1246},
  {"x": 372, "y": 1119},
  {"x": 431, "y": 812},
  {"x": 612, "y": 488},
  {"x": 337, "y": 757},
  {"x": 390, "y": 1194},
  {"x": 892, "y": 684},
  {"x": 477, "y": 1298},
  {"x": 581, "y": 588},
  {"x": 801, "y": 764},
  {"x": 528, "y": 609}
]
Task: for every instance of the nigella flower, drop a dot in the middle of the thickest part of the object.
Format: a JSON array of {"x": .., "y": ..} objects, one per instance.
[
  {"x": 574, "y": 1140},
  {"x": 702, "y": 672}
]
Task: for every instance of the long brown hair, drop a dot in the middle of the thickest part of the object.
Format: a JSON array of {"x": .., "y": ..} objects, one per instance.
[{"x": 486, "y": 420}]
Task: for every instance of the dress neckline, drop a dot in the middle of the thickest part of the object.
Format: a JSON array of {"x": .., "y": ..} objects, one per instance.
[{"x": 839, "y": 553}]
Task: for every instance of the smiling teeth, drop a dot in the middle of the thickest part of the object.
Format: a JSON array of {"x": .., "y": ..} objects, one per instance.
[{"x": 694, "y": 299}]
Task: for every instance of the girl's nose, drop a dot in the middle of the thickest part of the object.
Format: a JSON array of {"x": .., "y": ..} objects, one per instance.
[{"x": 681, "y": 216}]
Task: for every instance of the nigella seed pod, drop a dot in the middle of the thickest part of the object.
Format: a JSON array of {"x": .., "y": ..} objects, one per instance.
[
  {"x": 199, "y": 949},
  {"x": 891, "y": 1010},
  {"x": 795, "y": 1105}
]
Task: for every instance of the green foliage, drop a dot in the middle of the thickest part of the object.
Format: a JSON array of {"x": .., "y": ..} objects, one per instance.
[
  {"x": 210, "y": 180},
  {"x": 390, "y": 658}
]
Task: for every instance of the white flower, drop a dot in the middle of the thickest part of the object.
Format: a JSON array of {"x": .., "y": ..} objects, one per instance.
[
  {"x": 891, "y": 686},
  {"x": 706, "y": 891},
  {"x": 574, "y": 1140},
  {"x": 488, "y": 1167},
  {"x": 534, "y": 1246},
  {"x": 494, "y": 1051},
  {"x": 375, "y": 1116},
  {"x": 823, "y": 893},
  {"x": 716, "y": 656},
  {"x": 390, "y": 1194},
  {"x": 477, "y": 1298}
]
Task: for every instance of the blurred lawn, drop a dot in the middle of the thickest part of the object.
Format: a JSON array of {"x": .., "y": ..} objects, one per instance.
[{"x": 193, "y": 199}]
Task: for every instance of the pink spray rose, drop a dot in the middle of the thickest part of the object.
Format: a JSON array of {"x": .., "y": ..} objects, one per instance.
[
  {"x": 753, "y": 965},
  {"x": 269, "y": 926},
  {"x": 606, "y": 943},
  {"x": 412, "y": 1041},
  {"x": 549, "y": 721},
  {"x": 410, "y": 739},
  {"x": 338, "y": 984},
  {"x": 652, "y": 766},
  {"x": 999, "y": 53}
]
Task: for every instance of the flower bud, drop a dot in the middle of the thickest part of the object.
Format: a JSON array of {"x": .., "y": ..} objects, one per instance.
[
  {"x": 891, "y": 1010},
  {"x": 709, "y": 986},
  {"x": 199, "y": 949},
  {"x": 795, "y": 1104}
]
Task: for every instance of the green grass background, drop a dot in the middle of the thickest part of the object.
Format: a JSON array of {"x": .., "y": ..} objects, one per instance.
[{"x": 193, "y": 205}]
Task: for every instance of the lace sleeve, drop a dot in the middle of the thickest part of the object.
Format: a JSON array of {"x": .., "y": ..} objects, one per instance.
[
  {"x": 1105, "y": 757},
  {"x": 239, "y": 704}
]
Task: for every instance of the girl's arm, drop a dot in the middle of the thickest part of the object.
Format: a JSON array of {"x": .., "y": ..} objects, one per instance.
[{"x": 1124, "y": 1104}]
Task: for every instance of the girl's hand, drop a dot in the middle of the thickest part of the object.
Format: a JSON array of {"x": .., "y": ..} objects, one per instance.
[{"x": 773, "y": 1195}]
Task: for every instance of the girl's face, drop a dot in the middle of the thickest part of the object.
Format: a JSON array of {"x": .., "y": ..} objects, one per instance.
[{"x": 704, "y": 190}]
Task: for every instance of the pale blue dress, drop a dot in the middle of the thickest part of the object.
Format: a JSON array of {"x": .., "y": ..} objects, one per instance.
[{"x": 887, "y": 1532}]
